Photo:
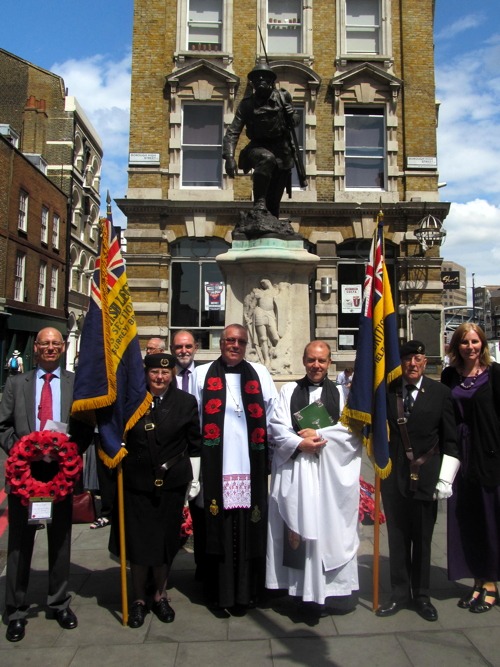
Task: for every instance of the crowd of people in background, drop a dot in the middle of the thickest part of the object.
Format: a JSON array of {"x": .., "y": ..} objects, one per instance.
[{"x": 211, "y": 438}]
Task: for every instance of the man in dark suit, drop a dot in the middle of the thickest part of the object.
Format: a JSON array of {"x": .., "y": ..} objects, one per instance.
[
  {"x": 26, "y": 405},
  {"x": 424, "y": 454}
]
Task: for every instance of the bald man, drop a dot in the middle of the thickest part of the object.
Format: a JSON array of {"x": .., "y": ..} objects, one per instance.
[
  {"x": 155, "y": 346},
  {"x": 313, "y": 505},
  {"x": 20, "y": 415}
]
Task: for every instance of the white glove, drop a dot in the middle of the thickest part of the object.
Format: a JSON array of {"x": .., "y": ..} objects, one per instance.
[
  {"x": 443, "y": 490},
  {"x": 447, "y": 474},
  {"x": 194, "y": 490}
]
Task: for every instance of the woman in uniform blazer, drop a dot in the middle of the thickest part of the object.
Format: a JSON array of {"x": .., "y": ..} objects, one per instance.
[{"x": 163, "y": 449}]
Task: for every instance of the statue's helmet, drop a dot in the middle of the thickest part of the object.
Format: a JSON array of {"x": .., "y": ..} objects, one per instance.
[{"x": 262, "y": 67}]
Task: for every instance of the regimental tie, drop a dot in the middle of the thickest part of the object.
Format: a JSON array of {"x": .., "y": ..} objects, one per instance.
[
  {"x": 45, "y": 407},
  {"x": 156, "y": 401},
  {"x": 409, "y": 401},
  {"x": 185, "y": 379}
]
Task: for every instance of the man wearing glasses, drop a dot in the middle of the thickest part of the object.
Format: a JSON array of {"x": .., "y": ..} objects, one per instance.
[
  {"x": 236, "y": 401},
  {"x": 28, "y": 402}
]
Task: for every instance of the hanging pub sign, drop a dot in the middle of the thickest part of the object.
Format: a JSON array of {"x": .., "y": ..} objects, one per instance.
[
  {"x": 215, "y": 296},
  {"x": 450, "y": 279},
  {"x": 351, "y": 298}
]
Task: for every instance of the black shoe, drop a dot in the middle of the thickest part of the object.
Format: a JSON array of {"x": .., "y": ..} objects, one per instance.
[
  {"x": 479, "y": 606},
  {"x": 136, "y": 615},
  {"x": 66, "y": 619},
  {"x": 467, "y": 599},
  {"x": 164, "y": 611},
  {"x": 426, "y": 610},
  {"x": 15, "y": 630},
  {"x": 390, "y": 608}
]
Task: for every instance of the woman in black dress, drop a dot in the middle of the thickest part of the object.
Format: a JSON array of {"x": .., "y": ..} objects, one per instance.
[
  {"x": 474, "y": 508},
  {"x": 156, "y": 475}
]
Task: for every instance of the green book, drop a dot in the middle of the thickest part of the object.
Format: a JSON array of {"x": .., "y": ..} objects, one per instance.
[{"x": 314, "y": 416}]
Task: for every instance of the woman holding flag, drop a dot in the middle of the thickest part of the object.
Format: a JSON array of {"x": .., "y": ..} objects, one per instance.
[{"x": 163, "y": 449}]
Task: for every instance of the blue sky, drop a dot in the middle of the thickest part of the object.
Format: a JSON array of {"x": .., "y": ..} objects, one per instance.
[{"x": 89, "y": 45}]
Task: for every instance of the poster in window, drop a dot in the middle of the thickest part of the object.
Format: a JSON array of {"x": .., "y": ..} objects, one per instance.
[
  {"x": 215, "y": 296},
  {"x": 351, "y": 298}
]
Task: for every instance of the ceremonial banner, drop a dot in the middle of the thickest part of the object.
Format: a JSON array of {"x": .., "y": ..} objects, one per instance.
[
  {"x": 377, "y": 360},
  {"x": 110, "y": 385}
]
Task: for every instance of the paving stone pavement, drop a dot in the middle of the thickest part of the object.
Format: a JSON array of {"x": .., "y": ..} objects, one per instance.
[{"x": 275, "y": 634}]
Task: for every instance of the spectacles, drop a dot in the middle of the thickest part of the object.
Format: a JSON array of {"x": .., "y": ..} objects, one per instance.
[
  {"x": 45, "y": 344},
  {"x": 232, "y": 341},
  {"x": 163, "y": 374}
]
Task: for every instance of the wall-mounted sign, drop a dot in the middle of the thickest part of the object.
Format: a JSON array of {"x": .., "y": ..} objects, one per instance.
[
  {"x": 421, "y": 163},
  {"x": 215, "y": 296},
  {"x": 144, "y": 158},
  {"x": 351, "y": 298},
  {"x": 451, "y": 279}
]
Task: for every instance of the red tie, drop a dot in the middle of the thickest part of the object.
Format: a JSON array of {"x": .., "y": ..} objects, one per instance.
[{"x": 45, "y": 409}]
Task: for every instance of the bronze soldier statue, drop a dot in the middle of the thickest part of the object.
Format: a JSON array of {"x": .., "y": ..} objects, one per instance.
[{"x": 270, "y": 120}]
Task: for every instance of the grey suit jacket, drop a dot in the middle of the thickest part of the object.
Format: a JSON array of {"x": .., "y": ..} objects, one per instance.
[{"x": 18, "y": 410}]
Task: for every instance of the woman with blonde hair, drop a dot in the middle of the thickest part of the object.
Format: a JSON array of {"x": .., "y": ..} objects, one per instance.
[{"x": 474, "y": 508}]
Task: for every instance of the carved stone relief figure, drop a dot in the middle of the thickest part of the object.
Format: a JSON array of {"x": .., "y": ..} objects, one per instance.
[{"x": 266, "y": 312}]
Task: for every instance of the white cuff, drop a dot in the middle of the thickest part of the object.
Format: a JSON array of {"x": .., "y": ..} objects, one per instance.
[{"x": 449, "y": 469}]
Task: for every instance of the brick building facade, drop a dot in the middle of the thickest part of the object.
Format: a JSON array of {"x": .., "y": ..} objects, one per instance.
[
  {"x": 361, "y": 73},
  {"x": 33, "y": 253},
  {"x": 50, "y": 127}
]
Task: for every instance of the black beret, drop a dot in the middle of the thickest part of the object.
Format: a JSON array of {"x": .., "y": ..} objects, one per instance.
[
  {"x": 160, "y": 360},
  {"x": 411, "y": 347}
]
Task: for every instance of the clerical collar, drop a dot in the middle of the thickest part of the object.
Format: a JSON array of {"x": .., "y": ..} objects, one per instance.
[
  {"x": 232, "y": 369},
  {"x": 315, "y": 384}
]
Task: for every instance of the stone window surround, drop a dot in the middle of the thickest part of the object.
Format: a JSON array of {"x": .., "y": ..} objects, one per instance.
[
  {"x": 212, "y": 84},
  {"x": 182, "y": 51},
  {"x": 370, "y": 85},
  {"x": 385, "y": 54},
  {"x": 307, "y": 34}
]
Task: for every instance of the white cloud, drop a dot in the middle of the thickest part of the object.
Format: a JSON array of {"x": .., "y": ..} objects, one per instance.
[
  {"x": 466, "y": 22},
  {"x": 102, "y": 87},
  {"x": 469, "y": 124},
  {"x": 473, "y": 239}
]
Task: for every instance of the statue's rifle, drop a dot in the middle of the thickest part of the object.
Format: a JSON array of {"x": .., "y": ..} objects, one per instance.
[{"x": 301, "y": 172}]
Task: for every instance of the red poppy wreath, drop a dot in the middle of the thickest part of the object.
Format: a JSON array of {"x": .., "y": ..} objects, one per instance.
[{"x": 34, "y": 447}]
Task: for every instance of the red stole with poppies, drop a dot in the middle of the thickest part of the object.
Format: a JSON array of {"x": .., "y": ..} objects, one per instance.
[{"x": 214, "y": 408}]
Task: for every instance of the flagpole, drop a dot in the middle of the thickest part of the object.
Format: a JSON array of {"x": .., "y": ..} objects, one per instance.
[
  {"x": 123, "y": 555},
  {"x": 376, "y": 543}
]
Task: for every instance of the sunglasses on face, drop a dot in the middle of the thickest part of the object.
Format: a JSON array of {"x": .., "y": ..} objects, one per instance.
[{"x": 232, "y": 341}]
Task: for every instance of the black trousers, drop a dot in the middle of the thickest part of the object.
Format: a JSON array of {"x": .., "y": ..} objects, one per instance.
[
  {"x": 20, "y": 550},
  {"x": 410, "y": 525}
]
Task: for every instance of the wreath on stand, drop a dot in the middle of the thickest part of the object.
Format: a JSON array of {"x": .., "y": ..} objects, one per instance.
[{"x": 35, "y": 447}]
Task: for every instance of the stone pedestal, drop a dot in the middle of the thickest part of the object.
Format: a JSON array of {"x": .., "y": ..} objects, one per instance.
[{"x": 267, "y": 290}]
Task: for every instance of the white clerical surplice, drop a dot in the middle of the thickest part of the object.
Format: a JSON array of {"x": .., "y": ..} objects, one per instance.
[{"x": 318, "y": 498}]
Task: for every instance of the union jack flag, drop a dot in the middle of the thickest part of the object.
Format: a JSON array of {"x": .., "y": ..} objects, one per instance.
[
  {"x": 110, "y": 386},
  {"x": 377, "y": 359}
]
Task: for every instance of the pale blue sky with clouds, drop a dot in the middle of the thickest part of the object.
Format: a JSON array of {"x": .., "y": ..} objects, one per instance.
[{"x": 89, "y": 45}]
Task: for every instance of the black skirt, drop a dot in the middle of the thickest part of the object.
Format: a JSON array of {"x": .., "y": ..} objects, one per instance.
[{"x": 152, "y": 526}]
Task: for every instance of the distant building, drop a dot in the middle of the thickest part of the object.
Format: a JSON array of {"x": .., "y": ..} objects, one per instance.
[
  {"x": 51, "y": 129},
  {"x": 484, "y": 307},
  {"x": 33, "y": 268}
]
